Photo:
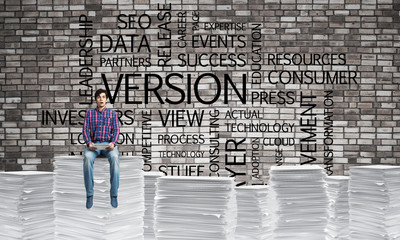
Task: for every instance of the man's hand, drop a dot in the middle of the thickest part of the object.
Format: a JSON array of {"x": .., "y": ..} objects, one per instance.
[
  {"x": 91, "y": 148},
  {"x": 111, "y": 147}
]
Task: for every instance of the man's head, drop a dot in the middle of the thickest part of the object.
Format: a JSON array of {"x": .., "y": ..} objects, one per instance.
[{"x": 101, "y": 98}]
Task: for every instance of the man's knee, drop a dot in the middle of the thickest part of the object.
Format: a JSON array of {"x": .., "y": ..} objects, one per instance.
[
  {"x": 88, "y": 156},
  {"x": 113, "y": 156}
]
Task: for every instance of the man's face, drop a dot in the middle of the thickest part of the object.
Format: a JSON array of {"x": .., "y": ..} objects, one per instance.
[{"x": 101, "y": 100}]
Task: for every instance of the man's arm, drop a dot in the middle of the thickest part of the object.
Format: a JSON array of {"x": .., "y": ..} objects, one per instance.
[
  {"x": 114, "y": 132},
  {"x": 115, "y": 129},
  {"x": 86, "y": 132}
]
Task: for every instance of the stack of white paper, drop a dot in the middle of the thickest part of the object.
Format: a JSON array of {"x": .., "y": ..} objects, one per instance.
[
  {"x": 26, "y": 205},
  {"x": 74, "y": 221},
  {"x": 374, "y": 202},
  {"x": 150, "y": 180},
  {"x": 338, "y": 221},
  {"x": 299, "y": 202},
  {"x": 202, "y": 208},
  {"x": 253, "y": 217}
]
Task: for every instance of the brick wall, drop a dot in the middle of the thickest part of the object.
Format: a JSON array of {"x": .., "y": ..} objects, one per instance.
[{"x": 42, "y": 98}]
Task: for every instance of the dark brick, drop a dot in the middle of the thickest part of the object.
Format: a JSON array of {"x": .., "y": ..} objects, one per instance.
[
  {"x": 13, "y": 115},
  {"x": 13, "y": 167}
]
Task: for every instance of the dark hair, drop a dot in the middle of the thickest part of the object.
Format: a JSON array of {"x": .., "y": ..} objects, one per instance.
[{"x": 98, "y": 92}]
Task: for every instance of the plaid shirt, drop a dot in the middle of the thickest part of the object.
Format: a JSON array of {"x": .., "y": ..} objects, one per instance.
[{"x": 100, "y": 126}]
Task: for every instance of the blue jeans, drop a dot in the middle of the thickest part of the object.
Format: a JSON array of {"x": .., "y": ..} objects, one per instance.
[{"x": 88, "y": 162}]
